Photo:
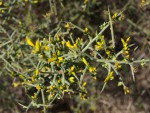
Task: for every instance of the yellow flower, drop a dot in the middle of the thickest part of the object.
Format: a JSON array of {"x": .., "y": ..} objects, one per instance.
[
  {"x": 107, "y": 52},
  {"x": 1, "y": 3},
  {"x": 84, "y": 61},
  {"x": 29, "y": 42},
  {"x": 84, "y": 84},
  {"x": 128, "y": 39},
  {"x": 46, "y": 47},
  {"x": 86, "y": 30},
  {"x": 71, "y": 46},
  {"x": 71, "y": 71},
  {"x": 57, "y": 38},
  {"x": 99, "y": 45},
  {"x": 36, "y": 72},
  {"x": 34, "y": 96},
  {"x": 33, "y": 78},
  {"x": 62, "y": 42},
  {"x": 61, "y": 88},
  {"x": 51, "y": 60},
  {"x": 82, "y": 96},
  {"x": 125, "y": 42},
  {"x": 50, "y": 88},
  {"x": 114, "y": 16},
  {"x": 117, "y": 66},
  {"x": 21, "y": 76},
  {"x": 67, "y": 25},
  {"x": 71, "y": 79},
  {"x": 38, "y": 87},
  {"x": 126, "y": 90},
  {"x": 72, "y": 68},
  {"x": 60, "y": 59},
  {"x": 16, "y": 84},
  {"x": 68, "y": 44},
  {"x": 37, "y": 45},
  {"x": 126, "y": 48},
  {"x": 92, "y": 69},
  {"x": 74, "y": 45},
  {"x": 109, "y": 77},
  {"x": 59, "y": 81},
  {"x": 51, "y": 96}
]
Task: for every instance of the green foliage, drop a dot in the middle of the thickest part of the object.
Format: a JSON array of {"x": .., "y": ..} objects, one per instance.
[{"x": 50, "y": 57}]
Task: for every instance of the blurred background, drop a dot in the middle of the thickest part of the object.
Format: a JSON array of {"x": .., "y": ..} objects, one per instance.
[{"x": 41, "y": 17}]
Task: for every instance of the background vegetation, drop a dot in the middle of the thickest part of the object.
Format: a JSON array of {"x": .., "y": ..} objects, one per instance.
[{"x": 38, "y": 18}]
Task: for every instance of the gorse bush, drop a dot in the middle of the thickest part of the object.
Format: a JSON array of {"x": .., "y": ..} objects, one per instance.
[{"x": 50, "y": 57}]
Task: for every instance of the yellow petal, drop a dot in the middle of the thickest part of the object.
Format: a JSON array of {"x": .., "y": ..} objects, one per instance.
[
  {"x": 38, "y": 87},
  {"x": 60, "y": 59},
  {"x": 84, "y": 61},
  {"x": 123, "y": 42},
  {"x": 51, "y": 59},
  {"x": 1, "y": 3},
  {"x": 37, "y": 45},
  {"x": 71, "y": 79},
  {"x": 67, "y": 25},
  {"x": 29, "y": 42},
  {"x": 36, "y": 72},
  {"x": 128, "y": 39},
  {"x": 72, "y": 68}
]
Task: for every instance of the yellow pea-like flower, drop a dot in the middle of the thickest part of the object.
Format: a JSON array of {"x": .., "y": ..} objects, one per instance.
[
  {"x": 1, "y": 3},
  {"x": 67, "y": 25},
  {"x": 16, "y": 84},
  {"x": 109, "y": 77},
  {"x": 37, "y": 45},
  {"x": 92, "y": 69},
  {"x": 34, "y": 96},
  {"x": 72, "y": 68},
  {"x": 71, "y": 79},
  {"x": 29, "y": 42},
  {"x": 86, "y": 30},
  {"x": 60, "y": 59},
  {"x": 84, "y": 61},
  {"x": 36, "y": 72},
  {"x": 84, "y": 84},
  {"x": 126, "y": 90},
  {"x": 38, "y": 87},
  {"x": 51, "y": 60},
  {"x": 128, "y": 39}
]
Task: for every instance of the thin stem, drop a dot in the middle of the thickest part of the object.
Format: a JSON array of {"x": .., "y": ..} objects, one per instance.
[
  {"x": 43, "y": 98},
  {"x": 111, "y": 29}
]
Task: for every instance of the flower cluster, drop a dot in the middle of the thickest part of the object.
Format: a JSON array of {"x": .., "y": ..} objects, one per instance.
[
  {"x": 126, "y": 48},
  {"x": 62, "y": 64},
  {"x": 60, "y": 67},
  {"x": 51, "y": 58}
]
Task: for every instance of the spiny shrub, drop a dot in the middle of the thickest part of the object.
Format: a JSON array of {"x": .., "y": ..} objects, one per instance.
[{"x": 51, "y": 63}]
